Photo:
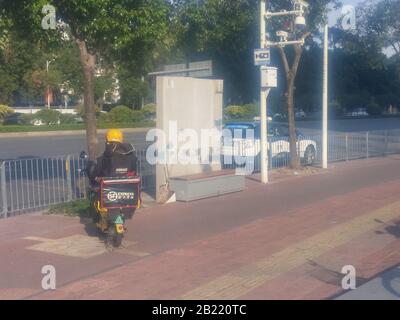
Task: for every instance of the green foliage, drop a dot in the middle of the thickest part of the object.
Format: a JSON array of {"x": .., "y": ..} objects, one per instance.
[
  {"x": 66, "y": 118},
  {"x": 113, "y": 30},
  {"x": 23, "y": 67},
  {"x": 374, "y": 109},
  {"x": 62, "y": 127},
  {"x": 235, "y": 112},
  {"x": 48, "y": 116},
  {"x": 81, "y": 208},
  {"x": 8, "y": 83},
  {"x": 226, "y": 32},
  {"x": 121, "y": 114},
  {"x": 80, "y": 110},
  {"x": 247, "y": 111},
  {"x": 251, "y": 110},
  {"x": 5, "y": 111},
  {"x": 131, "y": 38},
  {"x": 25, "y": 119},
  {"x": 378, "y": 24},
  {"x": 104, "y": 118},
  {"x": 132, "y": 89},
  {"x": 336, "y": 108},
  {"x": 149, "y": 111},
  {"x": 103, "y": 87},
  {"x": 137, "y": 115}
]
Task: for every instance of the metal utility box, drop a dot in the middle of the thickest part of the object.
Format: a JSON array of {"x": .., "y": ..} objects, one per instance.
[
  {"x": 269, "y": 77},
  {"x": 201, "y": 186}
]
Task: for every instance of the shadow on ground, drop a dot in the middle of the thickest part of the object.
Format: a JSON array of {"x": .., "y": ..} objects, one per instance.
[
  {"x": 329, "y": 276},
  {"x": 392, "y": 229},
  {"x": 388, "y": 279}
]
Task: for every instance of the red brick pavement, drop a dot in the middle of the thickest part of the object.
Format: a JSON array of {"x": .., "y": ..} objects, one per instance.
[{"x": 189, "y": 247}]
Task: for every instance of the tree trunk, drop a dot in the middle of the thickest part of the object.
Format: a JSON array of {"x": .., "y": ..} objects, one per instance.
[
  {"x": 291, "y": 73},
  {"x": 88, "y": 61},
  {"x": 294, "y": 157}
]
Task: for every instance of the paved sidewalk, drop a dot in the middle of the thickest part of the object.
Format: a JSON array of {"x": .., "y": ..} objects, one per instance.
[{"x": 286, "y": 240}]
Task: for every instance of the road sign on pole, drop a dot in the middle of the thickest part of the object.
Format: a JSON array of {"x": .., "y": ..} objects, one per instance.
[{"x": 262, "y": 57}]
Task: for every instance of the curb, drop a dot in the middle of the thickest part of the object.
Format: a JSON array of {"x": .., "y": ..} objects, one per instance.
[{"x": 64, "y": 133}]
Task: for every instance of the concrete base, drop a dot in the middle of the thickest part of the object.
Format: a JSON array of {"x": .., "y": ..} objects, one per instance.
[{"x": 201, "y": 186}]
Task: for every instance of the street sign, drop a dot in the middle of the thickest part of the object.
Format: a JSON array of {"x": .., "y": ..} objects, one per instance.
[
  {"x": 262, "y": 57},
  {"x": 269, "y": 77}
]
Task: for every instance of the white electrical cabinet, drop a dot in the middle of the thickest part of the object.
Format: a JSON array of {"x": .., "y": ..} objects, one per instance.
[{"x": 269, "y": 77}]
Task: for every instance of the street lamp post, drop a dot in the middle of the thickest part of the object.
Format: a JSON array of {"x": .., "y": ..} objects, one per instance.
[
  {"x": 263, "y": 100},
  {"x": 48, "y": 86},
  {"x": 325, "y": 103}
]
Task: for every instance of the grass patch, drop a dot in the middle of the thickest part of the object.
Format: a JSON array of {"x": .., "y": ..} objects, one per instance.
[
  {"x": 78, "y": 208},
  {"x": 72, "y": 127}
]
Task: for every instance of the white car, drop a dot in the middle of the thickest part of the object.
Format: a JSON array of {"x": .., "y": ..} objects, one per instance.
[
  {"x": 359, "y": 112},
  {"x": 300, "y": 114},
  {"x": 278, "y": 145}
]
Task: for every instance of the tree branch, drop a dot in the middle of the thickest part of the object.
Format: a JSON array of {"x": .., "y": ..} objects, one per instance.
[
  {"x": 298, "y": 51},
  {"x": 284, "y": 60},
  {"x": 306, "y": 35},
  {"x": 395, "y": 48}
]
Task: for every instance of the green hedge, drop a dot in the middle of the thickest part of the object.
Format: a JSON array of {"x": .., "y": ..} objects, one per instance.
[
  {"x": 68, "y": 127},
  {"x": 124, "y": 114},
  {"x": 5, "y": 111},
  {"x": 247, "y": 111},
  {"x": 374, "y": 109},
  {"x": 48, "y": 116},
  {"x": 119, "y": 117}
]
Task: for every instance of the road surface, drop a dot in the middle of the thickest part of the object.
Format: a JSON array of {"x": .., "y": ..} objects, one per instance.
[
  {"x": 49, "y": 146},
  {"x": 31, "y": 147},
  {"x": 350, "y": 125}
]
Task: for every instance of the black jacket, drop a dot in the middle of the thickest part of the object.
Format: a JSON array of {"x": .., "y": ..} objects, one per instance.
[{"x": 118, "y": 159}]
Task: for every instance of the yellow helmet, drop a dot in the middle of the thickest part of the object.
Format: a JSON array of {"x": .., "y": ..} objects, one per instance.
[{"x": 114, "y": 135}]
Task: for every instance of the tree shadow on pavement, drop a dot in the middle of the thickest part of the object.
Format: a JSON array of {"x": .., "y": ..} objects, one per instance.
[
  {"x": 329, "y": 276},
  {"x": 393, "y": 229},
  {"x": 90, "y": 227}
]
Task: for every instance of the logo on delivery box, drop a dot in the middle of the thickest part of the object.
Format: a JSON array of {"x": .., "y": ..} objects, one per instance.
[{"x": 113, "y": 196}]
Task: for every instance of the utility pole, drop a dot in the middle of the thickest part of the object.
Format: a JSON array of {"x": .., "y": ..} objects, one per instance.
[
  {"x": 263, "y": 100},
  {"x": 299, "y": 10},
  {"x": 48, "y": 87},
  {"x": 325, "y": 102}
]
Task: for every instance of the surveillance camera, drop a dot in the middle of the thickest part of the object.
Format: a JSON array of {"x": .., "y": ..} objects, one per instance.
[
  {"x": 300, "y": 21},
  {"x": 282, "y": 33},
  {"x": 301, "y": 3}
]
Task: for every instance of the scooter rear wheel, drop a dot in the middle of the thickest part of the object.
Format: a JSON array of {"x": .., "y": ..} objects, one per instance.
[{"x": 113, "y": 237}]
